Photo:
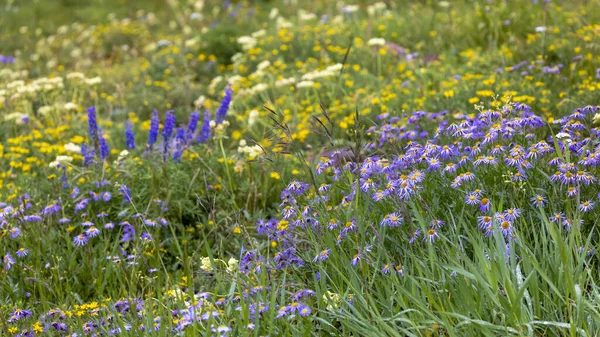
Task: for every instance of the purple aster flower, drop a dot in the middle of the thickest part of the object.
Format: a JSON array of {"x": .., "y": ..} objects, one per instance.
[
  {"x": 80, "y": 240},
  {"x": 15, "y": 232},
  {"x": 128, "y": 231},
  {"x": 8, "y": 261},
  {"x": 126, "y": 193},
  {"x": 74, "y": 192},
  {"x": 431, "y": 236},
  {"x": 304, "y": 311},
  {"x": 415, "y": 236},
  {"x": 568, "y": 223},
  {"x": 472, "y": 199},
  {"x": 106, "y": 196},
  {"x": 506, "y": 228},
  {"x": 392, "y": 220},
  {"x": 32, "y": 218},
  {"x": 92, "y": 232},
  {"x": 355, "y": 259},
  {"x": 150, "y": 222},
  {"x": 22, "y": 252},
  {"x": 512, "y": 214},
  {"x": 538, "y": 201},
  {"x": 322, "y": 256},
  {"x": 146, "y": 236},
  {"x": 557, "y": 217},
  {"x": 484, "y": 222},
  {"x": 586, "y": 206},
  {"x": 436, "y": 223},
  {"x": 59, "y": 326}
]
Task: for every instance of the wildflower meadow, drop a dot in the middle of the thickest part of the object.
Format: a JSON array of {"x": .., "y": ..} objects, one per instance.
[{"x": 299, "y": 168}]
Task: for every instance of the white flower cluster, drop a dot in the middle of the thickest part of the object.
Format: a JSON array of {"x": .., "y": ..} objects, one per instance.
[
  {"x": 305, "y": 84},
  {"x": 70, "y": 147},
  {"x": 376, "y": 8},
  {"x": 232, "y": 264},
  {"x": 332, "y": 300},
  {"x": 332, "y": 70},
  {"x": 7, "y": 73},
  {"x": 18, "y": 117},
  {"x": 61, "y": 160},
  {"x": 285, "y": 82},
  {"x": 47, "y": 109},
  {"x": 250, "y": 152},
  {"x": 252, "y": 117},
  {"x": 247, "y": 42},
  {"x": 20, "y": 88},
  {"x": 376, "y": 41},
  {"x": 306, "y": 16}
]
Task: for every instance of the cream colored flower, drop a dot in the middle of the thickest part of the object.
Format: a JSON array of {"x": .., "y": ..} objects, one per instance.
[
  {"x": 252, "y": 117},
  {"x": 62, "y": 160},
  {"x": 70, "y": 147},
  {"x": 206, "y": 265},
  {"x": 70, "y": 106},
  {"x": 376, "y": 42},
  {"x": 232, "y": 265},
  {"x": 93, "y": 81},
  {"x": 305, "y": 84}
]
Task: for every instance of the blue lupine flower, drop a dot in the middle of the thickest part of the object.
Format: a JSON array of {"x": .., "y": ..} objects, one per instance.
[
  {"x": 169, "y": 125},
  {"x": 205, "y": 131},
  {"x": 192, "y": 125},
  {"x": 167, "y": 132},
  {"x": 179, "y": 144},
  {"x": 153, "y": 133},
  {"x": 222, "y": 111},
  {"x": 103, "y": 148},
  {"x": 88, "y": 155},
  {"x": 129, "y": 137},
  {"x": 92, "y": 122}
]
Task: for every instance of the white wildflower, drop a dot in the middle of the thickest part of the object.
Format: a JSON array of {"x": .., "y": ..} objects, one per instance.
[
  {"x": 232, "y": 265},
  {"x": 70, "y": 147},
  {"x": 376, "y": 42}
]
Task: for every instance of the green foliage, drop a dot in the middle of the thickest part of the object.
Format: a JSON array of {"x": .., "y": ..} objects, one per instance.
[{"x": 185, "y": 243}]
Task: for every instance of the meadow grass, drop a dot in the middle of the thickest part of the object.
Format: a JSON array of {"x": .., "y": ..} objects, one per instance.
[{"x": 275, "y": 168}]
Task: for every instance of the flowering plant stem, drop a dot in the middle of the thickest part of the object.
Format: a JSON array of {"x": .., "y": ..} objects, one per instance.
[{"x": 230, "y": 182}]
